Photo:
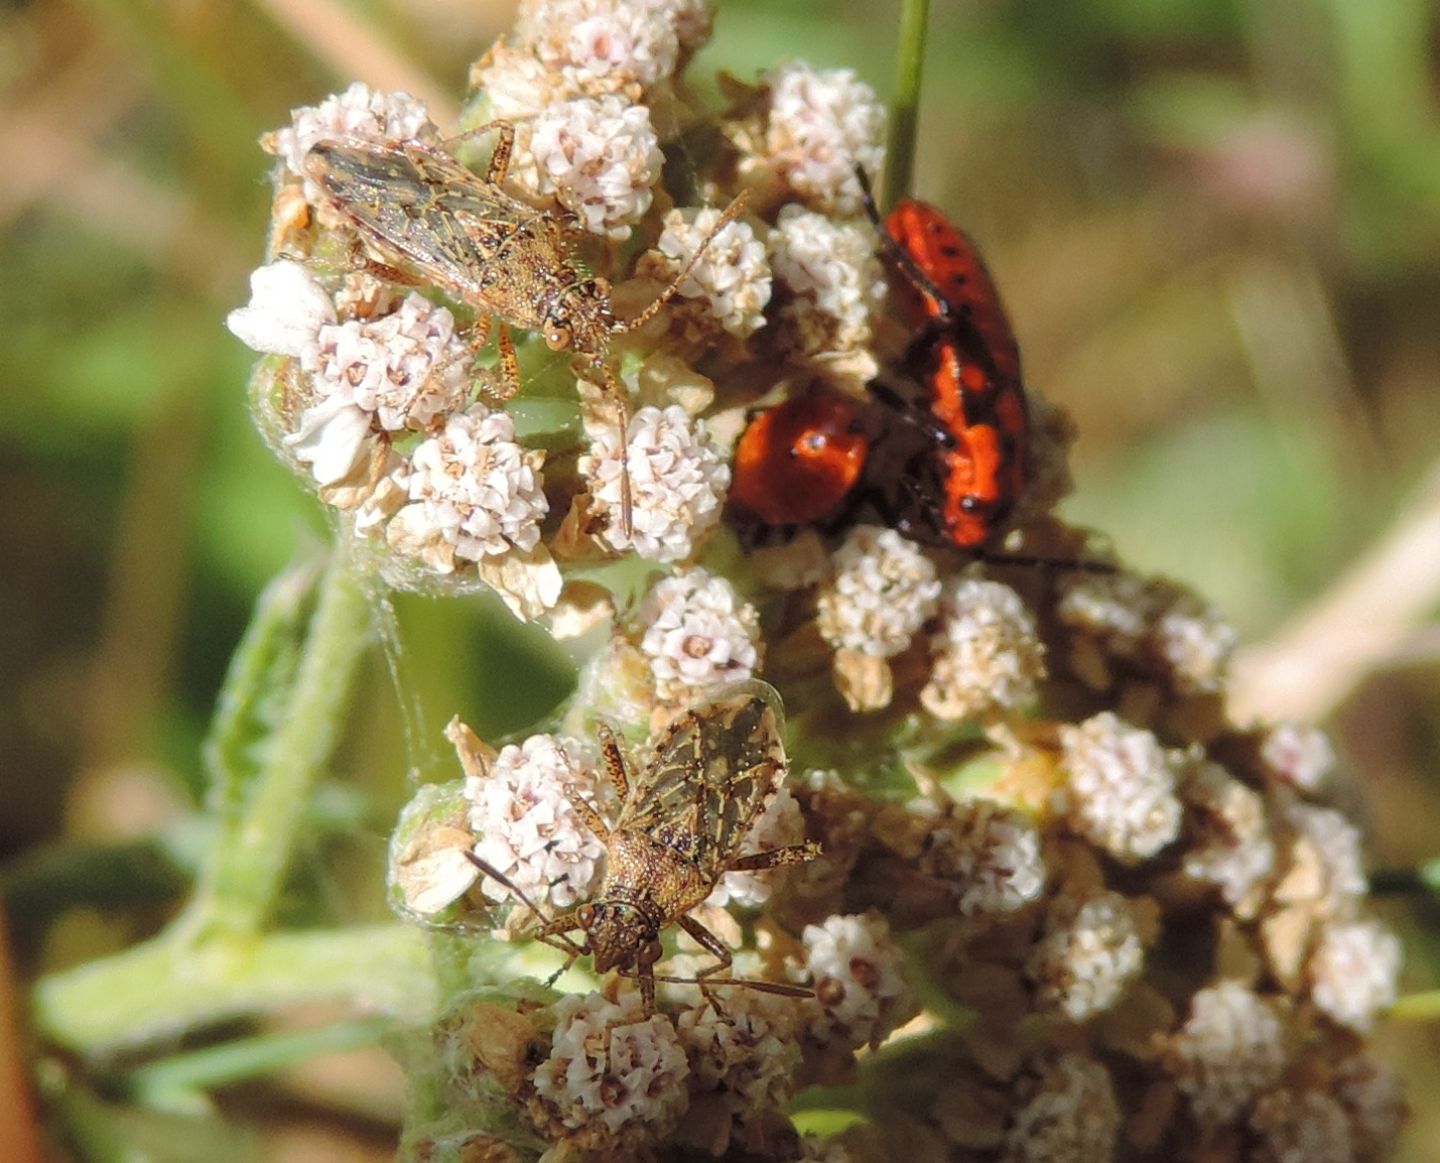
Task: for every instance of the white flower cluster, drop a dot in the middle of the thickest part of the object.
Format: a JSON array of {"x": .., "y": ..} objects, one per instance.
[
  {"x": 697, "y": 634},
  {"x": 527, "y": 826},
  {"x": 360, "y": 114},
  {"x": 731, "y": 281},
  {"x": 1089, "y": 952},
  {"x": 568, "y": 48},
  {"x": 1072, "y": 1117},
  {"x": 1230, "y": 844},
  {"x": 1230, "y": 1050},
  {"x": 474, "y": 493},
  {"x": 406, "y": 367},
  {"x": 832, "y": 279},
  {"x": 1303, "y": 1126},
  {"x": 744, "y": 1065},
  {"x": 990, "y": 855},
  {"x": 597, "y": 157},
  {"x": 858, "y": 972},
  {"x": 986, "y": 656},
  {"x": 1153, "y": 624},
  {"x": 611, "y": 1066},
  {"x": 1353, "y": 972},
  {"x": 1329, "y": 841},
  {"x": 678, "y": 479},
  {"x": 1300, "y": 755},
  {"x": 1120, "y": 794},
  {"x": 881, "y": 591},
  {"x": 822, "y": 124}
]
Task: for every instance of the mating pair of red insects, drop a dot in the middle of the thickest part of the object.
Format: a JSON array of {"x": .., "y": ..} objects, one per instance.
[{"x": 962, "y": 453}]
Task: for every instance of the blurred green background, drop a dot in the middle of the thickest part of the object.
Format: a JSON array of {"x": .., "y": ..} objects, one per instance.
[{"x": 1216, "y": 225}]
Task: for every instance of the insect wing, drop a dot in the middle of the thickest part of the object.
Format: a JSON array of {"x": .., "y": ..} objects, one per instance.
[
  {"x": 711, "y": 774},
  {"x": 419, "y": 203}
]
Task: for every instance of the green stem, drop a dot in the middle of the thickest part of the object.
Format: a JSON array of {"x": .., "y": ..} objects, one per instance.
[
  {"x": 1416, "y": 1007},
  {"x": 905, "y": 111},
  {"x": 243, "y": 876},
  {"x": 168, "y": 986},
  {"x": 246, "y": 1058}
]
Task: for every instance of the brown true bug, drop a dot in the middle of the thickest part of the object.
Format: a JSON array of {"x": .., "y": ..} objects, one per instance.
[
  {"x": 682, "y": 822},
  {"x": 419, "y": 209}
]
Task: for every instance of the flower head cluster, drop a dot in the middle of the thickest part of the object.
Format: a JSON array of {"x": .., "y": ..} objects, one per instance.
[
  {"x": 817, "y": 126},
  {"x": 526, "y": 824},
  {"x": 861, "y": 992},
  {"x": 731, "y": 281},
  {"x": 986, "y": 656},
  {"x": 697, "y": 634},
  {"x": 881, "y": 590},
  {"x": 359, "y": 114},
  {"x": 1120, "y": 794},
  {"x": 1090, "y": 951},
  {"x": 677, "y": 482}
]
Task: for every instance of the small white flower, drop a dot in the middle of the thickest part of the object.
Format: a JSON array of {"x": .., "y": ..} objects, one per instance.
[
  {"x": 1334, "y": 843},
  {"x": 824, "y": 123},
  {"x": 358, "y": 114},
  {"x": 527, "y": 825},
  {"x": 858, "y": 972},
  {"x": 287, "y": 310},
  {"x": 1230, "y": 1050},
  {"x": 1230, "y": 846},
  {"x": 833, "y": 279},
  {"x": 678, "y": 479},
  {"x": 474, "y": 493},
  {"x": 610, "y": 1067},
  {"x": 1298, "y": 754},
  {"x": 697, "y": 633},
  {"x": 987, "y": 655},
  {"x": 1353, "y": 972},
  {"x": 336, "y": 439},
  {"x": 732, "y": 277},
  {"x": 611, "y": 46},
  {"x": 598, "y": 158},
  {"x": 990, "y": 854},
  {"x": 406, "y": 367},
  {"x": 1073, "y": 1116},
  {"x": 881, "y": 592},
  {"x": 1089, "y": 952},
  {"x": 1121, "y": 788}
]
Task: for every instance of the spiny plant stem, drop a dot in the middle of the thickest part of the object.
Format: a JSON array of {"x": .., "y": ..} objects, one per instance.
[
  {"x": 239, "y": 885},
  {"x": 905, "y": 112}
]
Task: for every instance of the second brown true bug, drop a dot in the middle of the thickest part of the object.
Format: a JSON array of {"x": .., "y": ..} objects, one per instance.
[
  {"x": 683, "y": 819},
  {"x": 422, "y": 213}
]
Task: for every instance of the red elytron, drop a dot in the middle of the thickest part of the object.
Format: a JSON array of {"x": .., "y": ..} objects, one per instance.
[
  {"x": 797, "y": 462},
  {"x": 966, "y": 356}
]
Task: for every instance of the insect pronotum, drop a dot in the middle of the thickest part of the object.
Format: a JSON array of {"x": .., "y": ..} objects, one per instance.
[
  {"x": 683, "y": 819},
  {"x": 425, "y": 214}
]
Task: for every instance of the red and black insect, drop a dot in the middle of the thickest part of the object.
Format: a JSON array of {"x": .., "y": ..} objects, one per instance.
[
  {"x": 798, "y": 462},
  {"x": 964, "y": 354}
]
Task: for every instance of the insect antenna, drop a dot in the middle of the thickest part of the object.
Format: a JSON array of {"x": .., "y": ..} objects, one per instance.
[
  {"x": 556, "y": 940},
  {"x": 731, "y": 212}
]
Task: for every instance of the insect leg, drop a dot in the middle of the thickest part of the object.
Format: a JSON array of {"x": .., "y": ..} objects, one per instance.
[
  {"x": 509, "y": 364},
  {"x": 586, "y": 811},
  {"x": 616, "y": 767},
  {"x": 775, "y": 858},
  {"x": 499, "y": 157},
  {"x": 723, "y": 958}
]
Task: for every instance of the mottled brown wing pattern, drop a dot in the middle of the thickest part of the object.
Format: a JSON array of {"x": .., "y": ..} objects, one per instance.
[
  {"x": 422, "y": 205},
  {"x": 710, "y": 776}
]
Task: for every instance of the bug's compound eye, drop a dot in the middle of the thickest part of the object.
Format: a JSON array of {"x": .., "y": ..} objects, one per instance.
[
  {"x": 585, "y": 915},
  {"x": 558, "y": 338}
]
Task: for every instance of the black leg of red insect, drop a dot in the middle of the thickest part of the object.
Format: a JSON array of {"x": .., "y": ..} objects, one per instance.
[{"x": 911, "y": 412}]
